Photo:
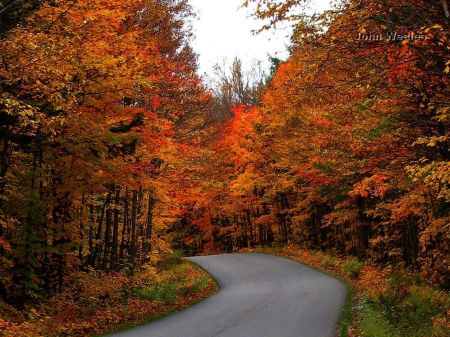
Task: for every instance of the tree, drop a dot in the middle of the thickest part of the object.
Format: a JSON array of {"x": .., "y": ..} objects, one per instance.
[
  {"x": 92, "y": 97},
  {"x": 234, "y": 85},
  {"x": 352, "y": 136}
]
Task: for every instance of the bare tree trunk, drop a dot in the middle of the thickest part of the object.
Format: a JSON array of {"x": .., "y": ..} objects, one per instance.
[
  {"x": 139, "y": 224},
  {"x": 80, "y": 247},
  {"x": 250, "y": 227},
  {"x": 146, "y": 245},
  {"x": 133, "y": 227},
  {"x": 125, "y": 227},
  {"x": 115, "y": 237},
  {"x": 446, "y": 9},
  {"x": 91, "y": 232},
  {"x": 107, "y": 240},
  {"x": 98, "y": 245},
  {"x": 3, "y": 170}
]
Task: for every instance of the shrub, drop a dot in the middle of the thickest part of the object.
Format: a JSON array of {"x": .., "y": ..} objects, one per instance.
[
  {"x": 197, "y": 285},
  {"x": 326, "y": 262},
  {"x": 353, "y": 268},
  {"x": 172, "y": 260},
  {"x": 162, "y": 292}
]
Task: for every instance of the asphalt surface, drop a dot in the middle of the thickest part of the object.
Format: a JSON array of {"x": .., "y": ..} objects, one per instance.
[{"x": 260, "y": 295}]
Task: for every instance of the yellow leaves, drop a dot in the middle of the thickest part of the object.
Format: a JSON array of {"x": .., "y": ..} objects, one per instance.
[
  {"x": 435, "y": 176},
  {"x": 431, "y": 141},
  {"x": 13, "y": 106},
  {"x": 443, "y": 114},
  {"x": 435, "y": 140},
  {"x": 447, "y": 67}
]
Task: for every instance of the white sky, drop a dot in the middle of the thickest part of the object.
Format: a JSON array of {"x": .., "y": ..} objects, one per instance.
[{"x": 224, "y": 31}]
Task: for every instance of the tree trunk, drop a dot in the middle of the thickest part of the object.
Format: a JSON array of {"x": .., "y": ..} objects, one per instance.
[
  {"x": 115, "y": 238},
  {"x": 133, "y": 227},
  {"x": 446, "y": 9},
  {"x": 98, "y": 245},
  {"x": 146, "y": 246},
  {"x": 125, "y": 227}
]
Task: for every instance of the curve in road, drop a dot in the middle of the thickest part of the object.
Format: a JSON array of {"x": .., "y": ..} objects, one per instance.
[{"x": 260, "y": 295}]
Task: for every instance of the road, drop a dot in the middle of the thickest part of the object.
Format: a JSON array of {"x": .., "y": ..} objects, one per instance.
[{"x": 260, "y": 295}]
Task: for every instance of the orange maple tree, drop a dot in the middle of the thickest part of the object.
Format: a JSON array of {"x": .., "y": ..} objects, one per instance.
[
  {"x": 348, "y": 148},
  {"x": 97, "y": 100}
]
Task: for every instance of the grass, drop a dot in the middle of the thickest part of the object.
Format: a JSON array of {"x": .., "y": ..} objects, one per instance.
[
  {"x": 381, "y": 302},
  {"x": 182, "y": 284},
  {"x": 99, "y": 303},
  {"x": 162, "y": 292},
  {"x": 408, "y": 307},
  {"x": 168, "y": 291},
  {"x": 353, "y": 268},
  {"x": 346, "y": 314},
  {"x": 374, "y": 324}
]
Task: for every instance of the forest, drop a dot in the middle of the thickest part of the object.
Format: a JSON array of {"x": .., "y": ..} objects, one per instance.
[{"x": 114, "y": 152}]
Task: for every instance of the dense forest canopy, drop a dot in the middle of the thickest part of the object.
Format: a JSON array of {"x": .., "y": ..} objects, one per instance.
[
  {"x": 113, "y": 151},
  {"x": 100, "y": 107},
  {"x": 347, "y": 147}
]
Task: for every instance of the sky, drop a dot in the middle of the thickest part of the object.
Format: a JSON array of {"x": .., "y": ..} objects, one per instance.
[{"x": 223, "y": 31}]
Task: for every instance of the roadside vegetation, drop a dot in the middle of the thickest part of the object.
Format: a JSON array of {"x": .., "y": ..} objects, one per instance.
[
  {"x": 385, "y": 301},
  {"x": 113, "y": 150},
  {"x": 98, "y": 303}
]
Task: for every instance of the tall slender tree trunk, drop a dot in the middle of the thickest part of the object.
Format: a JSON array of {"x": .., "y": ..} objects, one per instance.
[
  {"x": 3, "y": 171},
  {"x": 98, "y": 244},
  {"x": 125, "y": 227},
  {"x": 91, "y": 232},
  {"x": 115, "y": 236},
  {"x": 80, "y": 247},
  {"x": 250, "y": 227},
  {"x": 107, "y": 240},
  {"x": 446, "y": 9},
  {"x": 146, "y": 246},
  {"x": 133, "y": 227}
]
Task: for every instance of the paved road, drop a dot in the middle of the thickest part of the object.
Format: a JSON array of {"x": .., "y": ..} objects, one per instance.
[{"x": 260, "y": 296}]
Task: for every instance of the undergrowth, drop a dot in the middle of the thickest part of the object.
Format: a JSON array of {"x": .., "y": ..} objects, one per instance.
[{"x": 98, "y": 303}]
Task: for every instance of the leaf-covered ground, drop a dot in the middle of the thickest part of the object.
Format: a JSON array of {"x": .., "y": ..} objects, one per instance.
[{"x": 99, "y": 303}]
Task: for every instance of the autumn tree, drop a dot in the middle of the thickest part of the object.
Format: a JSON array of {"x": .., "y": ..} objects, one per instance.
[
  {"x": 232, "y": 84},
  {"x": 92, "y": 99},
  {"x": 352, "y": 135},
  {"x": 358, "y": 110}
]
